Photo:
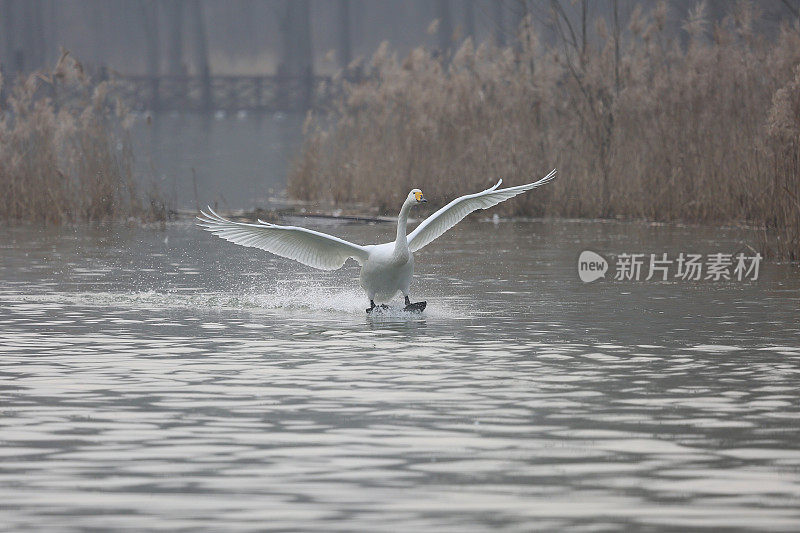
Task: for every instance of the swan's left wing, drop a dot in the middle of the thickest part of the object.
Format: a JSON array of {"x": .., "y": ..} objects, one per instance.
[
  {"x": 312, "y": 248},
  {"x": 451, "y": 214}
]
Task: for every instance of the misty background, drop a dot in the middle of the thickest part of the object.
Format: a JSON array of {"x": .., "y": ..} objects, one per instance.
[
  {"x": 184, "y": 37},
  {"x": 221, "y": 88},
  {"x": 158, "y": 378}
]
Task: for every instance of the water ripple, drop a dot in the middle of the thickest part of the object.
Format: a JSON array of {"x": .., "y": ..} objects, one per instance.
[{"x": 130, "y": 402}]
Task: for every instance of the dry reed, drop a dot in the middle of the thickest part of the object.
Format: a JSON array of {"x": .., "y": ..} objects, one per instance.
[
  {"x": 65, "y": 154},
  {"x": 703, "y": 131}
]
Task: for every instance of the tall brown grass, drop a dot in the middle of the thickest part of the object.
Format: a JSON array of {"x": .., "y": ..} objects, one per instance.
[
  {"x": 65, "y": 153},
  {"x": 643, "y": 126}
]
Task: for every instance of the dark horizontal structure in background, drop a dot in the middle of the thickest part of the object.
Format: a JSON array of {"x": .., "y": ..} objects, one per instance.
[
  {"x": 229, "y": 93},
  {"x": 274, "y": 54}
]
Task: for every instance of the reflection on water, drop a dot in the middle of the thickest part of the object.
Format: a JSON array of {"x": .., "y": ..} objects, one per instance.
[
  {"x": 181, "y": 150},
  {"x": 170, "y": 380}
]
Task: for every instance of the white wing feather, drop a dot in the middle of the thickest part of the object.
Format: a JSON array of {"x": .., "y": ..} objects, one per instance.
[
  {"x": 451, "y": 214},
  {"x": 309, "y": 247}
]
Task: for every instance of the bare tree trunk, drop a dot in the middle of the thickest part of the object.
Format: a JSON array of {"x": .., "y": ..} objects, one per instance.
[
  {"x": 469, "y": 19},
  {"x": 51, "y": 27},
  {"x": 174, "y": 12},
  {"x": 24, "y": 35},
  {"x": 615, "y": 5},
  {"x": 35, "y": 33},
  {"x": 499, "y": 27},
  {"x": 445, "y": 26},
  {"x": 345, "y": 50},
  {"x": 297, "y": 61},
  {"x": 201, "y": 52},
  {"x": 584, "y": 9},
  {"x": 10, "y": 13},
  {"x": 524, "y": 40},
  {"x": 610, "y": 117},
  {"x": 99, "y": 15},
  {"x": 359, "y": 26},
  {"x": 149, "y": 10},
  {"x": 518, "y": 13}
]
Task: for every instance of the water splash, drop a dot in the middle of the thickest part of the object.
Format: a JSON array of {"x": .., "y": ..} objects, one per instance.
[
  {"x": 298, "y": 296},
  {"x": 310, "y": 295}
]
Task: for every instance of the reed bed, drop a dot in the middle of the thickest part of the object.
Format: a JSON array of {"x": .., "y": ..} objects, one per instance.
[
  {"x": 640, "y": 125},
  {"x": 65, "y": 153}
]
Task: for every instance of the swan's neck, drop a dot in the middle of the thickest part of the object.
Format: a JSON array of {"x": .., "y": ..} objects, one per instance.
[{"x": 402, "y": 219}]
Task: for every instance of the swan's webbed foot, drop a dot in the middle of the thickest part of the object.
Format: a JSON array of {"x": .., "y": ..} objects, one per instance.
[
  {"x": 372, "y": 306},
  {"x": 416, "y": 307}
]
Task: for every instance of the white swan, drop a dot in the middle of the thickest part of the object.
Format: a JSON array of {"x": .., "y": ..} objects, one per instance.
[{"x": 385, "y": 268}]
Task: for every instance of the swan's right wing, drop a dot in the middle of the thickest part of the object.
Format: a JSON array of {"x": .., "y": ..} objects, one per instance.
[
  {"x": 451, "y": 214},
  {"x": 309, "y": 247}
]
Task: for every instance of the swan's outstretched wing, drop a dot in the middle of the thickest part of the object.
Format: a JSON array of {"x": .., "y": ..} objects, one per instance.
[
  {"x": 451, "y": 214},
  {"x": 309, "y": 247}
]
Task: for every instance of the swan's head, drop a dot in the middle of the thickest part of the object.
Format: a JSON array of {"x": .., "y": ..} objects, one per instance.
[{"x": 415, "y": 197}]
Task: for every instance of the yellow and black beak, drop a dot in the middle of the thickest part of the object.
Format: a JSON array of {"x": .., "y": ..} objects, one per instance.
[{"x": 419, "y": 197}]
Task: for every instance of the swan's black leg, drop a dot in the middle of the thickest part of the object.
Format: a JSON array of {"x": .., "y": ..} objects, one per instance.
[
  {"x": 372, "y": 306},
  {"x": 416, "y": 306}
]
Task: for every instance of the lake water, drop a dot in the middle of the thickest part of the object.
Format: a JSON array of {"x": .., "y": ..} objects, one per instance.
[
  {"x": 235, "y": 160},
  {"x": 168, "y": 380}
]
